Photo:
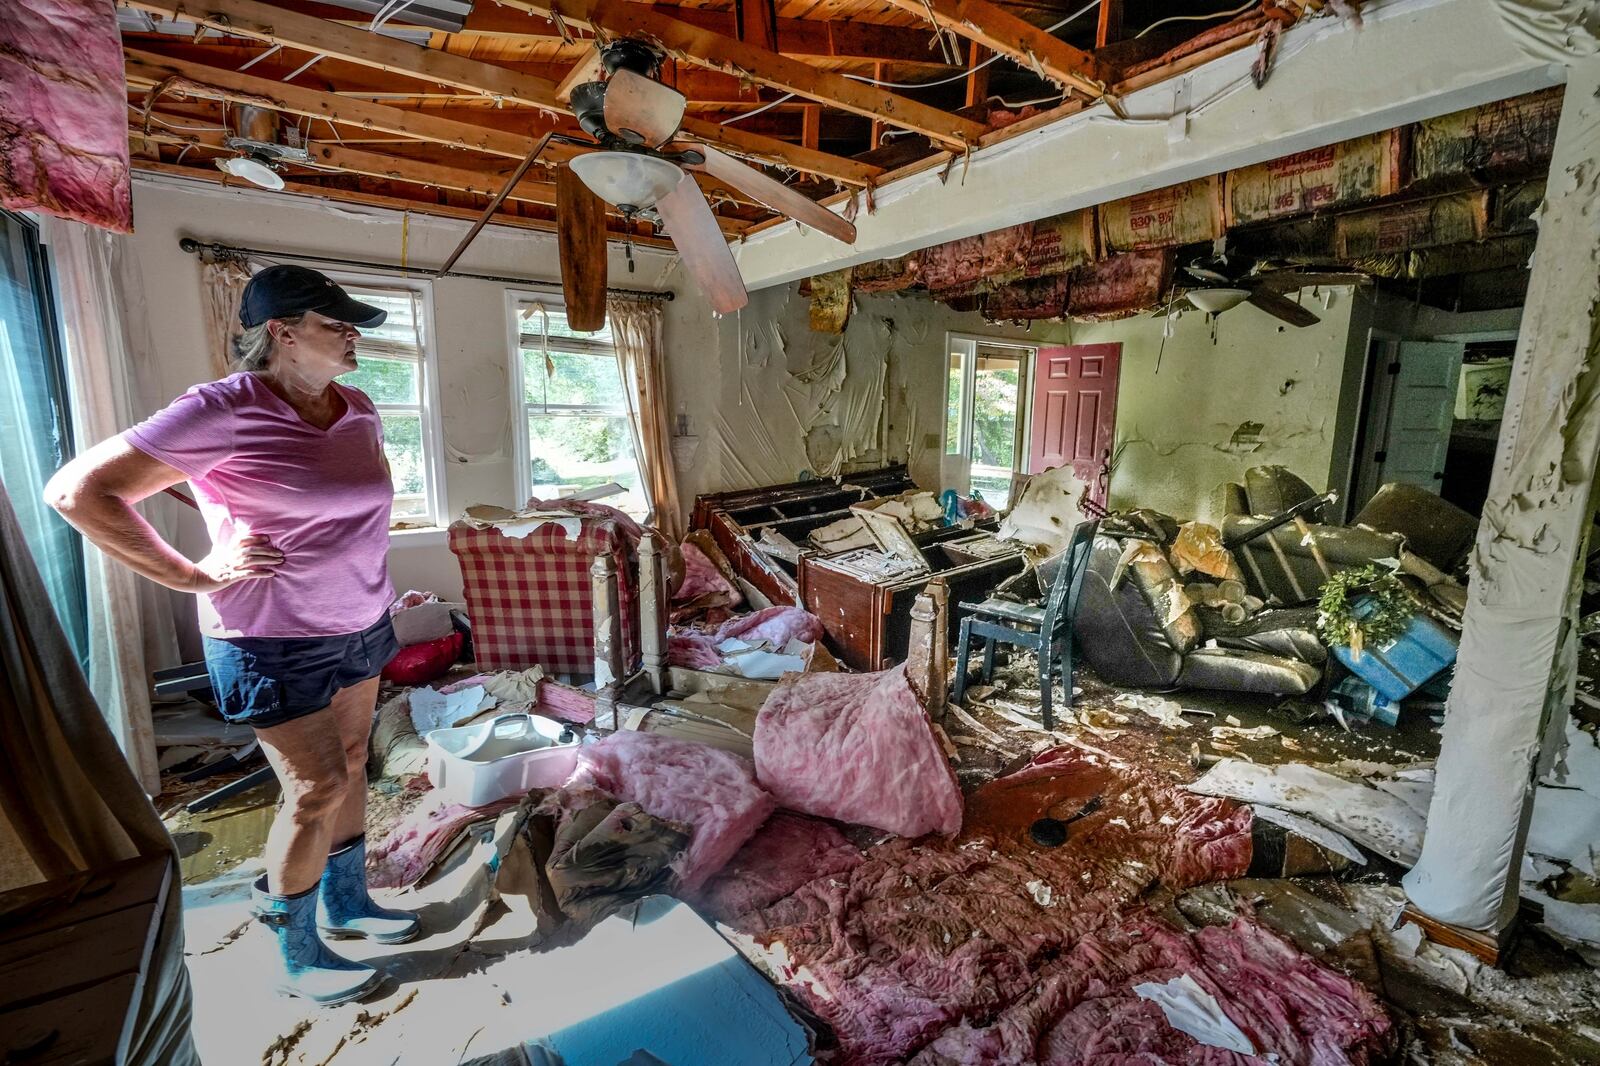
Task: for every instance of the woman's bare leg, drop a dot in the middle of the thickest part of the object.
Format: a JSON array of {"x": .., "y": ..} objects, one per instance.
[
  {"x": 308, "y": 755},
  {"x": 352, "y": 707}
]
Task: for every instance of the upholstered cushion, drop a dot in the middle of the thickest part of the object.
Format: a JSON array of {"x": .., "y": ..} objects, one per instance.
[
  {"x": 1247, "y": 671},
  {"x": 1119, "y": 629},
  {"x": 1434, "y": 528},
  {"x": 1272, "y": 489}
]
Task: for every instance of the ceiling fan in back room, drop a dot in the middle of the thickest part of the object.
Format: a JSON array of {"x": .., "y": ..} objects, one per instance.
[
  {"x": 643, "y": 173},
  {"x": 1224, "y": 280}
]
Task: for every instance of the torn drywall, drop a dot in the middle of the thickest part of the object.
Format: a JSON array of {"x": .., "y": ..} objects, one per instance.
[{"x": 1528, "y": 545}]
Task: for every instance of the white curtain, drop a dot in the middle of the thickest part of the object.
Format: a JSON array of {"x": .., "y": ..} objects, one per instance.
[
  {"x": 131, "y": 632},
  {"x": 636, "y": 327}
]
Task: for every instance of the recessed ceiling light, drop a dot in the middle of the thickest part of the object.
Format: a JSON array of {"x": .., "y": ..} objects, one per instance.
[{"x": 251, "y": 170}]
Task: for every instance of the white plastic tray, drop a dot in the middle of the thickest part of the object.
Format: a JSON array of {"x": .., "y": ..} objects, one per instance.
[{"x": 478, "y": 764}]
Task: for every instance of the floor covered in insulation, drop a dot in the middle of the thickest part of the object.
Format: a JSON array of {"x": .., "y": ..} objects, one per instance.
[{"x": 1084, "y": 870}]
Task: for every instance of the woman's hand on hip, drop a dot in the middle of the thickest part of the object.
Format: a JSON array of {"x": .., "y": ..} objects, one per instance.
[{"x": 245, "y": 559}]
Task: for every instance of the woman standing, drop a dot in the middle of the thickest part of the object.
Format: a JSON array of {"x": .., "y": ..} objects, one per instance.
[{"x": 288, "y": 469}]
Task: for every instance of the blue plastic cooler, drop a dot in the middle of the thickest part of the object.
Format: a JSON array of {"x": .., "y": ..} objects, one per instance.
[{"x": 1406, "y": 663}]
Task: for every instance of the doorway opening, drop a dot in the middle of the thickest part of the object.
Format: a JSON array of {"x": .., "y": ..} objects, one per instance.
[{"x": 986, "y": 416}]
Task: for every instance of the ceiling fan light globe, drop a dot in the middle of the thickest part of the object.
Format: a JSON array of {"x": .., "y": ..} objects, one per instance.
[
  {"x": 251, "y": 170},
  {"x": 626, "y": 178},
  {"x": 1216, "y": 301}
]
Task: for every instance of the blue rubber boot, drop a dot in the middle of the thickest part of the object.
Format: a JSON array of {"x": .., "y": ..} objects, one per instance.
[
  {"x": 311, "y": 971},
  {"x": 346, "y": 911}
]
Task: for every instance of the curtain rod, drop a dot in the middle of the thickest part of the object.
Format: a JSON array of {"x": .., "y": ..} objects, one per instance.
[{"x": 194, "y": 247}]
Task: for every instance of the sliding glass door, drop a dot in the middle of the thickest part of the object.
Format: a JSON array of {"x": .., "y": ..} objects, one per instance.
[{"x": 35, "y": 431}]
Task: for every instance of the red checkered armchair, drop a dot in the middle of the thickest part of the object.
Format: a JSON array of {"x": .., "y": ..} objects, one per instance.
[{"x": 531, "y": 598}]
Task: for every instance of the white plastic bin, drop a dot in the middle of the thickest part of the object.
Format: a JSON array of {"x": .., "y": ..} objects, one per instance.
[{"x": 479, "y": 764}]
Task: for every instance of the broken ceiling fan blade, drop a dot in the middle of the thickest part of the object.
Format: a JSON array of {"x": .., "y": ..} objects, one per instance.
[
  {"x": 774, "y": 194},
  {"x": 1282, "y": 307},
  {"x": 694, "y": 231},
  {"x": 581, "y": 238},
  {"x": 641, "y": 110}
]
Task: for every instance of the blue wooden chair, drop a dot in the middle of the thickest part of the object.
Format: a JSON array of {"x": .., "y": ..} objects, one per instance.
[{"x": 1046, "y": 628}]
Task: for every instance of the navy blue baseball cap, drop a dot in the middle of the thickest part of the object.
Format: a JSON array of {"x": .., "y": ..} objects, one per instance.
[{"x": 285, "y": 290}]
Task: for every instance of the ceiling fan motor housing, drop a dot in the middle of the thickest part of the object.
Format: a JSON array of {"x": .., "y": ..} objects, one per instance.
[{"x": 626, "y": 53}]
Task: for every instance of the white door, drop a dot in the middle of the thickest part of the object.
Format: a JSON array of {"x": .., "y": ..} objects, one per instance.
[{"x": 1422, "y": 407}]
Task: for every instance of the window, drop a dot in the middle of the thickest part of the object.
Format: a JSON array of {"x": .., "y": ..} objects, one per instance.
[
  {"x": 573, "y": 429},
  {"x": 35, "y": 433},
  {"x": 986, "y": 407},
  {"x": 396, "y": 372}
]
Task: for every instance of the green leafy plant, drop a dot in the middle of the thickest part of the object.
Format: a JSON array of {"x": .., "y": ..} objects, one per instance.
[{"x": 1367, "y": 605}]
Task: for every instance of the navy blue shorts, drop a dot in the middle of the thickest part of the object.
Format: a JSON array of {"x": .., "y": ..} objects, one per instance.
[{"x": 266, "y": 681}]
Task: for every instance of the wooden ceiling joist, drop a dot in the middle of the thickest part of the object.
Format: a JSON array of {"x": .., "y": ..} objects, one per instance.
[
  {"x": 1001, "y": 31},
  {"x": 395, "y": 203},
  {"x": 148, "y": 69},
  {"x": 248, "y": 18},
  {"x": 715, "y": 51}
]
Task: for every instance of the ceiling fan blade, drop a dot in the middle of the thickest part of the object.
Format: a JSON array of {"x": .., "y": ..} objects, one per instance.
[
  {"x": 1281, "y": 307},
  {"x": 774, "y": 194},
  {"x": 581, "y": 238},
  {"x": 1282, "y": 281},
  {"x": 639, "y": 107},
  {"x": 693, "y": 228}
]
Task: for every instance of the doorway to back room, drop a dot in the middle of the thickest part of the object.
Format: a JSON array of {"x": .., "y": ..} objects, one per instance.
[{"x": 986, "y": 416}]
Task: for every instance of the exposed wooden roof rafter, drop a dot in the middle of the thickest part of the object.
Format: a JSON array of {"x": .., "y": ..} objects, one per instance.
[
  {"x": 249, "y": 18},
  {"x": 705, "y": 48},
  {"x": 1000, "y": 31}
]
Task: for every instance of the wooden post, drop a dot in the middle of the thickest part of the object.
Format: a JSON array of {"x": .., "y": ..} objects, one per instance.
[
  {"x": 1518, "y": 645},
  {"x": 977, "y": 80},
  {"x": 928, "y": 664},
  {"x": 1110, "y": 26},
  {"x": 653, "y": 606},
  {"x": 880, "y": 72},
  {"x": 811, "y": 125},
  {"x": 607, "y": 639}
]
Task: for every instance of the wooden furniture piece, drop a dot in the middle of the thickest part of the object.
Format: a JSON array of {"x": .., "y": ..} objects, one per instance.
[
  {"x": 736, "y": 521},
  {"x": 1046, "y": 627},
  {"x": 73, "y": 957},
  {"x": 864, "y": 597}
]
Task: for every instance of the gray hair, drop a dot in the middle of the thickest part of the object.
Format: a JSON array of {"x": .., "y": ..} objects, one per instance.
[{"x": 253, "y": 347}]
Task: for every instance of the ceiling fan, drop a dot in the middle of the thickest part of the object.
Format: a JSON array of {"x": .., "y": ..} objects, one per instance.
[
  {"x": 1227, "y": 280},
  {"x": 639, "y": 169}
]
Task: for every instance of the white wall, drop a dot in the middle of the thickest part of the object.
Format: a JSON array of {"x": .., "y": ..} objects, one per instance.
[{"x": 1182, "y": 430}]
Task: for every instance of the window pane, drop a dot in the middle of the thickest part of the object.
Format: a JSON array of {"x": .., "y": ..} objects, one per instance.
[
  {"x": 994, "y": 426},
  {"x": 402, "y": 443},
  {"x": 401, "y": 327},
  {"x": 578, "y": 378},
  {"x": 533, "y": 322},
  {"x": 575, "y": 452},
  {"x": 952, "y": 408},
  {"x": 385, "y": 380},
  {"x": 35, "y": 438}
]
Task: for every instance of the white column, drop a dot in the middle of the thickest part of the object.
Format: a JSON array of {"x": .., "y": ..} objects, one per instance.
[{"x": 1509, "y": 689}]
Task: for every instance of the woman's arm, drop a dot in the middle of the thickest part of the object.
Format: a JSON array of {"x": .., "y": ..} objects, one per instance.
[{"x": 95, "y": 493}]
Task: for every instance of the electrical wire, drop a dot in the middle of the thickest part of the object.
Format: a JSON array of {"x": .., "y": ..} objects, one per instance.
[
  {"x": 1241, "y": 9},
  {"x": 919, "y": 84}
]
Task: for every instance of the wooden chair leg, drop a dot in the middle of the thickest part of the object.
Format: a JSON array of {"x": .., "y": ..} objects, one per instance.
[
  {"x": 1046, "y": 661},
  {"x": 963, "y": 646},
  {"x": 988, "y": 659}
]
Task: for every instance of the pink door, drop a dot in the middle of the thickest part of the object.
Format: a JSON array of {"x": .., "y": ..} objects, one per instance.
[{"x": 1075, "y": 411}]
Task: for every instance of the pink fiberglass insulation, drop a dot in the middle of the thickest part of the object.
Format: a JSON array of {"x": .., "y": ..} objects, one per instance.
[
  {"x": 858, "y": 748},
  {"x": 63, "y": 112},
  {"x": 712, "y": 791},
  {"x": 993, "y": 949},
  {"x": 788, "y": 851},
  {"x": 697, "y": 648},
  {"x": 701, "y": 577},
  {"x": 420, "y": 839}
]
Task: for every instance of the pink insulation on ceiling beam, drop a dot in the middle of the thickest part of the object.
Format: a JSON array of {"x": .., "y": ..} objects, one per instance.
[{"x": 63, "y": 112}]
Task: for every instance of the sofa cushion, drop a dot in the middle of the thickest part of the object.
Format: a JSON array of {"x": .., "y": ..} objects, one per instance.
[
  {"x": 1247, "y": 671},
  {"x": 1124, "y": 634},
  {"x": 1272, "y": 489}
]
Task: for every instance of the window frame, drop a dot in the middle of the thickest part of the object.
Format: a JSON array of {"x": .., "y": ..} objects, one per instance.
[
  {"x": 520, "y": 408},
  {"x": 956, "y": 465},
  {"x": 436, "y": 515}
]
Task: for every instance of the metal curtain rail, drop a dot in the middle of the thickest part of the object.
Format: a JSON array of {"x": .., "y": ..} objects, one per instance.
[{"x": 194, "y": 247}]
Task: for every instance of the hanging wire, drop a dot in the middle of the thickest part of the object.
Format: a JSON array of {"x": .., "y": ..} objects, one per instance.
[
  {"x": 1241, "y": 9},
  {"x": 916, "y": 84}
]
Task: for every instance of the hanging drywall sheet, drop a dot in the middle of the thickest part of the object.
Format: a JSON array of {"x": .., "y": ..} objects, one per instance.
[
  {"x": 1178, "y": 214},
  {"x": 1347, "y": 172},
  {"x": 1508, "y": 135}
]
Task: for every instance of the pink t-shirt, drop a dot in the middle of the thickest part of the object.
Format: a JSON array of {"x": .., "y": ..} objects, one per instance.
[{"x": 322, "y": 496}]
